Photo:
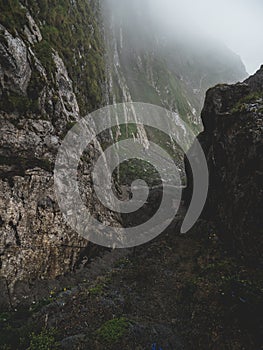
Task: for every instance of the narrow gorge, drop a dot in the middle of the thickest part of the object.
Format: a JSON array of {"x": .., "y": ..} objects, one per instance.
[{"x": 61, "y": 60}]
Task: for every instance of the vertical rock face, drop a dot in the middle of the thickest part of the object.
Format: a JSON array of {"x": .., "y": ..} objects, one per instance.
[
  {"x": 232, "y": 141},
  {"x": 44, "y": 86},
  {"x": 17, "y": 72}
]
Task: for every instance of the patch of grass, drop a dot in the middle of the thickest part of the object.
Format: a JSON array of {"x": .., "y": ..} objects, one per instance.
[
  {"x": 45, "y": 340},
  {"x": 44, "y": 53},
  {"x": 12, "y": 15},
  {"x": 133, "y": 169},
  {"x": 113, "y": 330},
  {"x": 99, "y": 287},
  {"x": 74, "y": 31},
  {"x": 126, "y": 131},
  {"x": 242, "y": 104},
  {"x": 96, "y": 290}
]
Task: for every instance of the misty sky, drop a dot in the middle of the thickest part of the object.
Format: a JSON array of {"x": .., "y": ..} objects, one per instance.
[{"x": 237, "y": 23}]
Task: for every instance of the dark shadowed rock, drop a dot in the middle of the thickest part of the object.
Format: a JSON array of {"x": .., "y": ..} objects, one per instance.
[{"x": 232, "y": 142}]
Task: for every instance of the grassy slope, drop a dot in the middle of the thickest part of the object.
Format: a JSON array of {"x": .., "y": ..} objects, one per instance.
[{"x": 72, "y": 30}]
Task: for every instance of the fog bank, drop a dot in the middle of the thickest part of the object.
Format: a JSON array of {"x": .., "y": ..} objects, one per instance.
[{"x": 237, "y": 24}]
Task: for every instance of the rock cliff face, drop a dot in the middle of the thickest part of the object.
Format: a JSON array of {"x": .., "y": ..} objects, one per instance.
[
  {"x": 44, "y": 86},
  {"x": 232, "y": 141},
  {"x": 149, "y": 64},
  {"x": 52, "y": 71}
]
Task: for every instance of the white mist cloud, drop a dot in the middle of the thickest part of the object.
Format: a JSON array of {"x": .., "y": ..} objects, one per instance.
[{"x": 237, "y": 23}]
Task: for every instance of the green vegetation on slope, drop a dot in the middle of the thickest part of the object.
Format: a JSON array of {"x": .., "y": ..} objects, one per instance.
[{"x": 74, "y": 31}]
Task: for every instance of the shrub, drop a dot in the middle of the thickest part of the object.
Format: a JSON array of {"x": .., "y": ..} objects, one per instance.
[
  {"x": 44, "y": 340},
  {"x": 112, "y": 331}
]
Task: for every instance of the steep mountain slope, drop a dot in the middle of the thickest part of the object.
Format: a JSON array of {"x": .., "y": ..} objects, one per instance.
[
  {"x": 52, "y": 71},
  {"x": 150, "y": 65}
]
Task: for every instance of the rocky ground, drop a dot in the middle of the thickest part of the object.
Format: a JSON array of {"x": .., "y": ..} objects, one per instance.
[{"x": 179, "y": 291}]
